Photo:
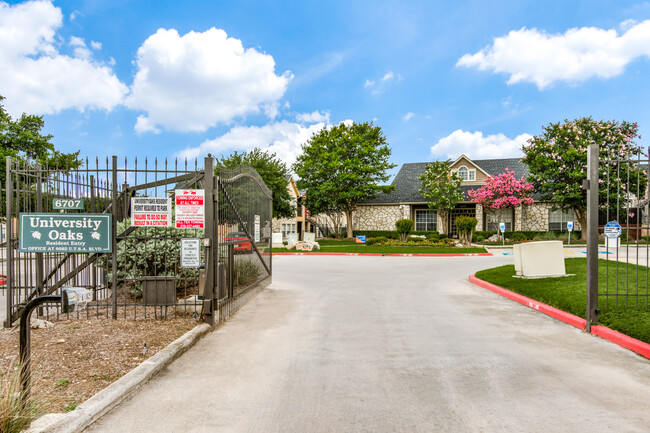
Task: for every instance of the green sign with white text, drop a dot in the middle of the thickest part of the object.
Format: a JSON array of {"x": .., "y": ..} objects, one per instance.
[{"x": 65, "y": 233}]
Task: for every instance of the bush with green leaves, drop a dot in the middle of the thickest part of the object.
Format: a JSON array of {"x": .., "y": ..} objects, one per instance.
[
  {"x": 17, "y": 410},
  {"x": 404, "y": 227},
  {"x": 376, "y": 240},
  {"x": 150, "y": 251},
  {"x": 246, "y": 271},
  {"x": 465, "y": 226}
]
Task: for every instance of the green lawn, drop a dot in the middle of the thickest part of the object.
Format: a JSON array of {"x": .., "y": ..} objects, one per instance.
[
  {"x": 569, "y": 294},
  {"x": 352, "y": 248}
]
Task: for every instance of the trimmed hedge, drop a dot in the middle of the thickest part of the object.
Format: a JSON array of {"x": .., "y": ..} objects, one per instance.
[
  {"x": 526, "y": 235},
  {"x": 392, "y": 234}
]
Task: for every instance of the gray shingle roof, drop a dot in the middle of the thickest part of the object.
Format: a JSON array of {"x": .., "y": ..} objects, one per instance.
[{"x": 407, "y": 184}]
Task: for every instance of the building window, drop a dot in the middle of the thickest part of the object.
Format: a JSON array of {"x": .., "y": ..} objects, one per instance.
[
  {"x": 426, "y": 220},
  {"x": 557, "y": 219},
  {"x": 466, "y": 174},
  {"x": 495, "y": 217}
]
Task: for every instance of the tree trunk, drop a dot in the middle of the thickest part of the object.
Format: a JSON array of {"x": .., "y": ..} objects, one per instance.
[
  {"x": 348, "y": 216},
  {"x": 443, "y": 218},
  {"x": 581, "y": 214}
]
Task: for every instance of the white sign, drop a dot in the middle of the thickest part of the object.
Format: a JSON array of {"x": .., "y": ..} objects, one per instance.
[
  {"x": 190, "y": 210},
  {"x": 569, "y": 225},
  {"x": 257, "y": 228},
  {"x": 151, "y": 212},
  {"x": 502, "y": 227},
  {"x": 190, "y": 253}
]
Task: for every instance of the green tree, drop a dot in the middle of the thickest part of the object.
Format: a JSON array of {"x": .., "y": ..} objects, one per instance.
[
  {"x": 22, "y": 140},
  {"x": 441, "y": 189},
  {"x": 274, "y": 173},
  {"x": 342, "y": 166},
  {"x": 557, "y": 162}
]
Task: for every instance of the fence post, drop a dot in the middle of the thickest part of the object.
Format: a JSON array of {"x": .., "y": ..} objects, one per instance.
[
  {"x": 213, "y": 248},
  {"x": 592, "y": 235},
  {"x": 9, "y": 200},
  {"x": 114, "y": 240}
]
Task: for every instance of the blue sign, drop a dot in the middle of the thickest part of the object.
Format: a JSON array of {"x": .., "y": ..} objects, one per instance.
[
  {"x": 612, "y": 230},
  {"x": 502, "y": 227},
  {"x": 361, "y": 239},
  {"x": 569, "y": 225}
]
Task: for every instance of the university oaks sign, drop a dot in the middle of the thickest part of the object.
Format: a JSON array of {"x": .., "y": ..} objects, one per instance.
[{"x": 66, "y": 233}]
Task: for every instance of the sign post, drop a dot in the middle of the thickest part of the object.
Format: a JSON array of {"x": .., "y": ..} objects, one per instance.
[
  {"x": 569, "y": 227},
  {"x": 502, "y": 227}
]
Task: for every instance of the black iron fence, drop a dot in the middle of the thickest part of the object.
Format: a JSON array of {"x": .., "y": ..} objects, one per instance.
[
  {"x": 618, "y": 247},
  {"x": 143, "y": 276}
]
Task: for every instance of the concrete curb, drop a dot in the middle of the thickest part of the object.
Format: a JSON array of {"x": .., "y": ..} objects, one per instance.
[
  {"x": 383, "y": 254},
  {"x": 90, "y": 410},
  {"x": 603, "y": 332},
  {"x": 563, "y": 316}
]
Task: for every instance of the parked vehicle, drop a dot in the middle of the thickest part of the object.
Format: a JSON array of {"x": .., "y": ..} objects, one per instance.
[
  {"x": 3, "y": 280},
  {"x": 241, "y": 241}
]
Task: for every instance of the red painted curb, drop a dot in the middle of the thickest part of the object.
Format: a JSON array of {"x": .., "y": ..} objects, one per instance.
[
  {"x": 563, "y": 316},
  {"x": 380, "y": 254},
  {"x": 623, "y": 340}
]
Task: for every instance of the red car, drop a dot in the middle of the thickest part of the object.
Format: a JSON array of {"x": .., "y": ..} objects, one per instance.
[
  {"x": 3, "y": 280},
  {"x": 241, "y": 241}
]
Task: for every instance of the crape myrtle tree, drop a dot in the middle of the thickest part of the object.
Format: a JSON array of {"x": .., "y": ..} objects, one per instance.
[
  {"x": 342, "y": 166},
  {"x": 503, "y": 192},
  {"x": 441, "y": 189},
  {"x": 557, "y": 162},
  {"x": 273, "y": 171}
]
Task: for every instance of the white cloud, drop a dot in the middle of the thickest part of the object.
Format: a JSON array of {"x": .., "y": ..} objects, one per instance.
[
  {"x": 408, "y": 116},
  {"x": 369, "y": 83},
  {"x": 389, "y": 76},
  {"x": 96, "y": 45},
  {"x": 316, "y": 116},
  {"x": 530, "y": 55},
  {"x": 282, "y": 138},
  {"x": 476, "y": 146},
  {"x": 37, "y": 78},
  {"x": 199, "y": 80}
]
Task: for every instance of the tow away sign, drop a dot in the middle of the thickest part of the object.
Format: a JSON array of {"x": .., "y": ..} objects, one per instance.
[{"x": 190, "y": 210}]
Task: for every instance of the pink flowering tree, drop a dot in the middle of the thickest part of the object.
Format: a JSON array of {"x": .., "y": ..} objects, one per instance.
[
  {"x": 557, "y": 162},
  {"x": 503, "y": 192}
]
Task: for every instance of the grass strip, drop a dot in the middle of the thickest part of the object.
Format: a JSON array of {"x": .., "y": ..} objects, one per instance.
[{"x": 630, "y": 317}]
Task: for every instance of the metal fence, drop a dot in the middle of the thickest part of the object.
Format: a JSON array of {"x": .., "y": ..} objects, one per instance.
[
  {"x": 617, "y": 268},
  {"x": 144, "y": 259}
]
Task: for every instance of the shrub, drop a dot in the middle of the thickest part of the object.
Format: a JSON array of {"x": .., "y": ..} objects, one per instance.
[
  {"x": 157, "y": 253},
  {"x": 465, "y": 226},
  {"x": 404, "y": 227},
  {"x": 377, "y": 240},
  {"x": 245, "y": 272}
]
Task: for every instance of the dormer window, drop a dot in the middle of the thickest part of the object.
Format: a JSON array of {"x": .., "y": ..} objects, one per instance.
[{"x": 466, "y": 174}]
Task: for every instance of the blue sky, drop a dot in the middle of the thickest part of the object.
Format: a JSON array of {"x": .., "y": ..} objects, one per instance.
[{"x": 181, "y": 79}]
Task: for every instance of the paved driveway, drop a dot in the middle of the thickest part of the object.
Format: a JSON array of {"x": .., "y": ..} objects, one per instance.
[{"x": 391, "y": 344}]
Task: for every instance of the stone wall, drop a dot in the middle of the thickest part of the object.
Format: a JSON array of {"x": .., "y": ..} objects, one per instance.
[
  {"x": 535, "y": 217},
  {"x": 376, "y": 217}
]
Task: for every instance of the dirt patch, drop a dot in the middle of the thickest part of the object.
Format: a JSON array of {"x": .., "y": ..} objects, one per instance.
[{"x": 76, "y": 359}]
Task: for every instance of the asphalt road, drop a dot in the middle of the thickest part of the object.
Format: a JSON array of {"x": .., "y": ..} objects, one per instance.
[{"x": 391, "y": 344}]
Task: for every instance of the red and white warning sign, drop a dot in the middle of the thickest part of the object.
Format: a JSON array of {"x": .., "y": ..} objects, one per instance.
[
  {"x": 151, "y": 211},
  {"x": 189, "y": 211}
]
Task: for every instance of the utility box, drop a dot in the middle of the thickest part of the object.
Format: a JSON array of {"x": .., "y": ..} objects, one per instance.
[
  {"x": 540, "y": 259},
  {"x": 159, "y": 291}
]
